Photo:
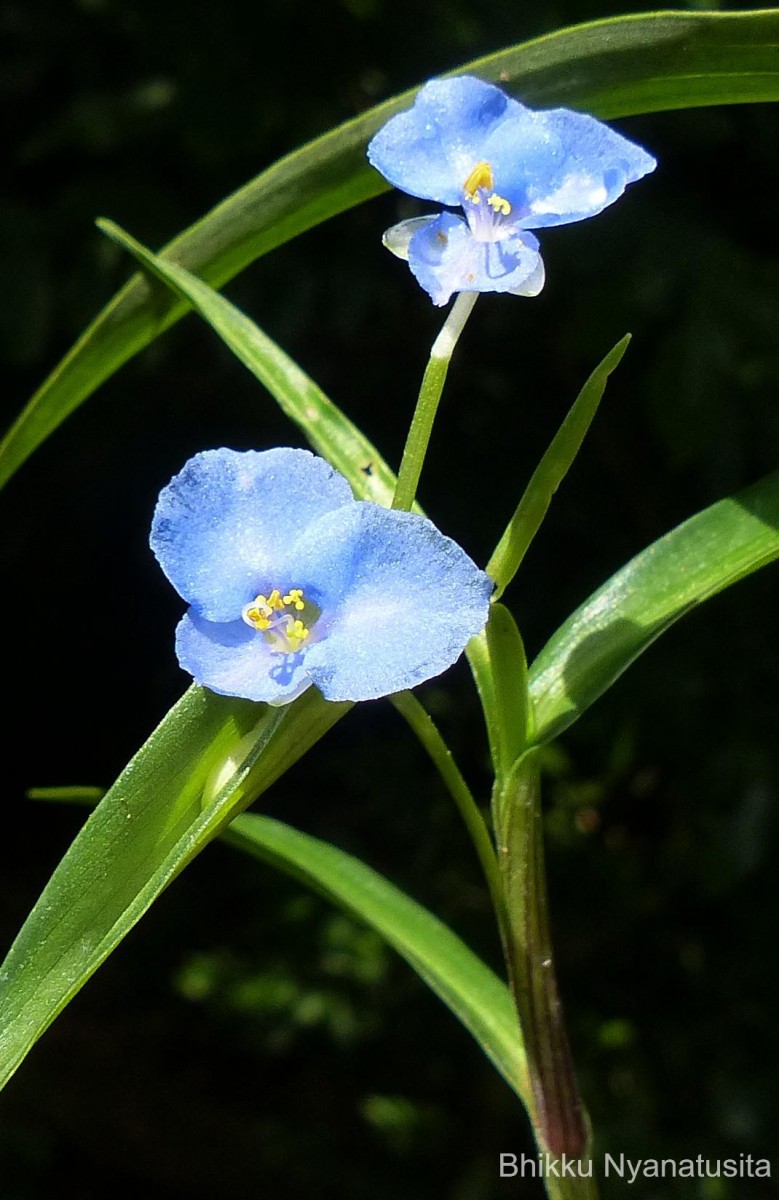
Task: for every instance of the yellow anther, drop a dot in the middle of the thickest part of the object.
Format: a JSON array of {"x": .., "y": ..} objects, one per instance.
[
  {"x": 500, "y": 204},
  {"x": 295, "y": 598},
  {"x": 480, "y": 177},
  {"x": 256, "y": 615},
  {"x": 298, "y": 632},
  {"x": 270, "y": 616}
]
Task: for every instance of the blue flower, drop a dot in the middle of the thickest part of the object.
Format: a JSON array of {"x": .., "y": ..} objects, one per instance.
[
  {"x": 292, "y": 581},
  {"x": 468, "y": 145}
]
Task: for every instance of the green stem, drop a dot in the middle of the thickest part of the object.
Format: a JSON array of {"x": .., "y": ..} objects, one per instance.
[
  {"x": 499, "y": 666},
  {"x": 425, "y": 729},
  {"x": 427, "y": 403},
  {"x": 558, "y": 1114}
]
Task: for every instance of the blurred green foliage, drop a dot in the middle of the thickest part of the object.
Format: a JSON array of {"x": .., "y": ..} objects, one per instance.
[{"x": 247, "y": 1040}]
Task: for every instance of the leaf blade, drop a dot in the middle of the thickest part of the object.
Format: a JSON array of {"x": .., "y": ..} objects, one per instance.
[
  {"x": 613, "y": 67},
  {"x": 498, "y": 664},
  {"x": 210, "y": 756},
  {"x": 707, "y": 553},
  {"x": 327, "y": 428},
  {"x": 468, "y": 987},
  {"x": 550, "y": 472}
]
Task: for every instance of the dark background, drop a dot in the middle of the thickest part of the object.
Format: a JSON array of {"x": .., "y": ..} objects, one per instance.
[{"x": 246, "y": 1039}]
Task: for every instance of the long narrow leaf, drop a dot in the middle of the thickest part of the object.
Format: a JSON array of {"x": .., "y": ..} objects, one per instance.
[
  {"x": 706, "y": 554},
  {"x": 612, "y": 68},
  {"x": 153, "y": 821},
  {"x": 497, "y": 660},
  {"x": 327, "y": 428},
  {"x": 550, "y": 472},
  {"x": 206, "y": 761},
  {"x": 470, "y": 989}
]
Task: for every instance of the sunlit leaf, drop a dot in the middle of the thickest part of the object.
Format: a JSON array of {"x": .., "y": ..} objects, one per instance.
[
  {"x": 611, "y": 68},
  {"x": 497, "y": 660},
  {"x": 206, "y": 761},
  {"x": 706, "y": 554},
  {"x": 327, "y": 428},
  {"x": 550, "y": 472},
  {"x": 471, "y": 990}
]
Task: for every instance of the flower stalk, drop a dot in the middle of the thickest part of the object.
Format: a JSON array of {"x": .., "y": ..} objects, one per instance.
[
  {"x": 427, "y": 402},
  {"x": 426, "y": 730}
]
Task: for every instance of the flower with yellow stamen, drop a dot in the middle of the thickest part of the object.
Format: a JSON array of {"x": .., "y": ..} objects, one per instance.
[
  {"x": 509, "y": 169},
  {"x": 292, "y": 582}
]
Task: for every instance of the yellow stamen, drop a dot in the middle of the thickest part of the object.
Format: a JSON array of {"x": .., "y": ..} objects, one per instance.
[
  {"x": 256, "y": 615},
  {"x": 270, "y": 616},
  {"x": 481, "y": 180},
  {"x": 500, "y": 205},
  {"x": 298, "y": 632},
  {"x": 295, "y": 598},
  {"x": 480, "y": 177}
]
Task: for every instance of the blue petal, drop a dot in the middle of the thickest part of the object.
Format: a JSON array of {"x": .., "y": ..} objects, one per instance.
[
  {"x": 559, "y": 166},
  {"x": 234, "y": 660},
  {"x": 445, "y": 258},
  {"x": 432, "y": 148},
  {"x": 553, "y": 166},
  {"x": 224, "y": 528},
  {"x": 411, "y": 599}
]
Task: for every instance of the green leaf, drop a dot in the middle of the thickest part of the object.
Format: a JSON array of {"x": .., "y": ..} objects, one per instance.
[
  {"x": 326, "y": 427},
  {"x": 712, "y": 550},
  {"x": 550, "y": 472},
  {"x": 103, "y": 886},
  {"x": 497, "y": 660},
  {"x": 612, "y": 68},
  {"x": 470, "y": 989},
  {"x": 74, "y": 794},
  {"x": 210, "y": 757}
]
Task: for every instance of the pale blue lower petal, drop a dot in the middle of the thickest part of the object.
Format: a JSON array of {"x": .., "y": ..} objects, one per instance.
[
  {"x": 397, "y": 238},
  {"x": 224, "y": 528},
  {"x": 445, "y": 257},
  {"x": 234, "y": 660},
  {"x": 411, "y": 599},
  {"x": 534, "y": 283}
]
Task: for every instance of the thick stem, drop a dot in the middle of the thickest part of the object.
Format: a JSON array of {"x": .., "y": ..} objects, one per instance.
[
  {"x": 578, "y": 1182},
  {"x": 427, "y": 402},
  {"x": 558, "y": 1117}
]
